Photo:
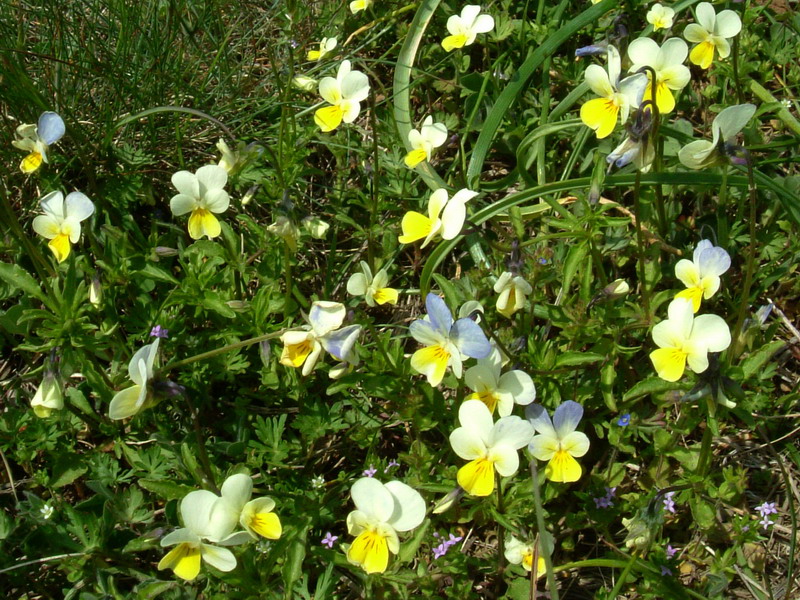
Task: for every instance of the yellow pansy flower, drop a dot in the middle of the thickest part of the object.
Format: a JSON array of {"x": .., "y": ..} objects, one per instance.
[
  {"x": 344, "y": 94},
  {"x": 557, "y": 441},
  {"x": 445, "y": 217},
  {"x": 431, "y": 135},
  {"x": 465, "y": 28},
  {"x": 372, "y": 288},
  {"x": 326, "y": 46},
  {"x": 36, "y": 140},
  {"x": 359, "y": 5},
  {"x": 518, "y": 552},
  {"x": 711, "y": 33},
  {"x": 201, "y": 194},
  {"x": 701, "y": 274},
  {"x": 61, "y": 221},
  {"x": 132, "y": 400},
  {"x": 660, "y": 17},
  {"x": 667, "y": 62}
]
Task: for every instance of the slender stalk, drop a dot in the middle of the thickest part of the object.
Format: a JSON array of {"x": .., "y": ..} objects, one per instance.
[
  {"x": 537, "y": 503},
  {"x": 751, "y": 260},
  {"x": 217, "y": 351},
  {"x": 704, "y": 461},
  {"x": 623, "y": 577},
  {"x": 501, "y": 509},
  {"x": 205, "y": 463},
  {"x": 287, "y": 267},
  {"x": 39, "y": 561},
  {"x": 640, "y": 246},
  {"x": 373, "y": 209},
  {"x": 10, "y": 477},
  {"x": 379, "y": 344}
]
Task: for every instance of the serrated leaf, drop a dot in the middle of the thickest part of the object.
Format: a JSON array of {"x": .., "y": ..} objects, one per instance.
[
  {"x": 66, "y": 469},
  {"x": 21, "y": 280},
  {"x": 168, "y": 490},
  {"x": 759, "y": 358}
]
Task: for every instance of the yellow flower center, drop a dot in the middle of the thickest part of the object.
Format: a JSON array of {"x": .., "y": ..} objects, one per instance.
[
  {"x": 486, "y": 396},
  {"x": 294, "y": 355},
  {"x": 31, "y": 162},
  {"x": 451, "y": 42},
  {"x": 370, "y": 550},
  {"x": 60, "y": 246},
  {"x": 563, "y": 467},
  {"x": 184, "y": 560}
]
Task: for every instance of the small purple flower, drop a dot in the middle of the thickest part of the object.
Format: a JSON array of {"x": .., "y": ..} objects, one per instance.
[
  {"x": 624, "y": 420},
  {"x": 370, "y": 472},
  {"x": 765, "y": 522},
  {"x": 392, "y": 463},
  {"x": 665, "y": 570},
  {"x": 768, "y": 508},
  {"x": 329, "y": 539},
  {"x": 159, "y": 332},
  {"x": 442, "y": 548},
  {"x": 439, "y": 551},
  {"x": 671, "y": 551},
  {"x": 669, "y": 503},
  {"x": 606, "y": 501},
  {"x": 542, "y": 261}
]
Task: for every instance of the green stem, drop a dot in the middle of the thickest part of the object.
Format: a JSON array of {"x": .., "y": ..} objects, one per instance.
[
  {"x": 217, "y": 351},
  {"x": 722, "y": 217},
  {"x": 782, "y": 112},
  {"x": 373, "y": 209},
  {"x": 540, "y": 526},
  {"x": 751, "y": 260},
  {"x": 381, "y": 349},
  {"x": 287, "y": 266},
  {"x": 704, "y": 461},
  {"x": 640, "y": 246},
  {"x": 623, "y": 577},
  {"x": 501, "y": 509},
  {"x": 205, "y": 463}
]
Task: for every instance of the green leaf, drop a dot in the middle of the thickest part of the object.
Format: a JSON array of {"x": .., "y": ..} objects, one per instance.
[
  {"x": 21, "y": 280},
  {"x": 67, "y": 468},
  {"x": 703, "y": 512},
  {"x": 753, "y": 363},
  {"x": 573, "y": 359},
  {"x": 153, "y": 272},
  {"x": 574, "y": 258},
  {"x": 651, "y": 385},
  {"x": 409, "y": 549},
  {"x": 168, "y": 490}
]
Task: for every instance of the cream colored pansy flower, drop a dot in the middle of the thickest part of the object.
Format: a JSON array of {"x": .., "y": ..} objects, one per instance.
[
  {"x": 660, "y": 17},
  {"x": 496, "y": 389},
  {"x": 701, "y": 274},
  {"x": 667, "y": 62},
  {"x": 685, "y": 339},
  {"x": 521, "y": 553},
  {"x": 133, "y": 400},
  {"x": 512, "y": 289},
  {"x": 36, "y": 140},
  {"x": 201, "y": 194},
  {"x": 374, "y": 289},
  {"x": 465, "y": 28},
  {"x": 326, "y": 46},
  {"x": 382, "y": 510},
  {"x": 616, "y": 97},
  {"x": 61, "y": 221},
  {"x": 557, "y": 441},
  {"x": 711, "y": 34},
  {"x": 702, "y": 154},
  {"x": 344, "y": 94},
  {"x": 488, "y": 446},
  {"x": 48, "y": 397},
  {"x": 431, "y": 135},
  {"x": 445, "y": 217},
  {"x": 256, "y": 516},
  {"x": 359, "y": 5}
]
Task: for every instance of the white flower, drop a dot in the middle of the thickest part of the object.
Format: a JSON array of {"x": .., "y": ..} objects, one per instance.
[
  {"x": 36, "y": 140},
  {"x": 499, "y": 390},
  {"x": 453, "y": 213},
  {"x": 512, "y": 290},
  {"x": 431, "y": 135},
  {"x": 316, "y": 227},
  {"x": 701, "y": 274},
  {"x": 344, "y": 94},
  {"x": 684, "y": 338},
  {"x": 132, "y": 400},
  {"x": 660, "y": 17},
  {"x": 521, "y": 553},
  {"x": 667, "y": 62},
  {"x": 46, "y": 511},
  {"x": 286, "y": 230},
  {"x": 381, "y": 512},
  {"x": 374, "y": 289},
  {"x": 359, "y": 5},
  {"x": 711, "y": 33},
  {"x": 465, "y": 28},
  {"x": 202, "y": 194},
  {"x": 557, "y": 442},
  {"x": 48, "y": 396},
  {"x": 488, "y": 446},
  {"x": 702, "y": 154},
  {"x": 326, "y": 46},
  {"x": 61, "y": 221},
  {"x": 256, "y": 515}
]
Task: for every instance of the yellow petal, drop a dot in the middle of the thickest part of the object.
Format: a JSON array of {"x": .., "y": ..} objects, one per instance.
[
  {"x": 203, "y": 222},
  {"x": 477, "y": 477},
  {"x": 669, "y": 363},
  {"x": 313, "y": 55},
  {"x": 451, "y": 42},
  {"x": 384, "y": 295},
  {"x": 664, "y": 98},
  {"x": 563, "y": 468},
  {"x": 31, "y": 162},
  {"x": 432, "y": 362},
  {"x": 294, "y": 355},
  {"x": 601, "y": 115},
  {"x": 369, "y": 550},
  {"x": 184, "y": 560},
  {"x": 266, "y": 525},
  {"x": 329, "y": 118},
  {"x": 415, "y": 157},
  {"x": 487, "y": 397},
  {"x": 60, "y": 246},
  {"x": 695, "y": 294},
  {"x": 702, "y": 54},
  {"x": 511, "y": 303},
  {"x": 415, "y": 226},
  {"x": 527, "y": 562}
]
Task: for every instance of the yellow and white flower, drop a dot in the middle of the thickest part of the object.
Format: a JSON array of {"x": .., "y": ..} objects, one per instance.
[
  {"x": 359, "y": 5},
  {"x": 667, "y": 62},
  {"x": 431, "y": 135},
  {"x": 557, "y": 441},
  {"x": 132, "y": 400},
  {"x": 48, "y": 397},
  {"x": 303, "y": 348},
  {"x": 344, "y": 94},
  {"x": 702, "y": 154},
  {"x": 616, "y": 97},
  {"x": 701, "y": 274},
  {"x": 660, "y": 17},
  {"x": 685, "y": 339},
  {"x": 711, "y": 33},
  {"x": 498, "y": 390},
  {"x": 445, "y": 218},
  {"x": 61, "y": 221},
  {"x": 285, "y": 229},
  {"x": 513, "y": 290},
  {"x": 326, "y": 46},
  {"x": 465, "y": 28},
  {"x": 201, "y": 194},
  {"x": 255, "y": 516},
  {"x": 488, "y": 446},
  {"x": 518, "y": 552},
  {"x": 381, "y": 512},
  {"x": 36, "y": 140},
  {"x": 374, "y": 289}
]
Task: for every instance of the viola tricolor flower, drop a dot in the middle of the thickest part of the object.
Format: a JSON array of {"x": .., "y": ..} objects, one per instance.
[
  {"x": 702, "y": 154},
  {"x": 660, "y": 17},
  {"x": 48, "y": 397},
  {"x": 445, "y": 218},
  {"x": 711, "y": 33},
  {"x": 359, "y": 5},
  {"x": 431, "y": 135},
  {"x": 36, "y": 140},
  {"x": 557, "y": 442},
  {"x": 61, "y": 221},
  {"x": 667, "y": 62},
  {"x": 326, "y": 46},
  {"x": 518, "y": 552},
  {"x": 133, "y": 400},
  {"x": 496, "y": 389},
  {"x": 201, "y": 194},
  {"x": 374, "y": 289},
  {"x": 701, "y": 274},
  {"x": 344, "y": 94},
  {"x": 464, "y": 29},
  {"x": 512, "y": 289}
]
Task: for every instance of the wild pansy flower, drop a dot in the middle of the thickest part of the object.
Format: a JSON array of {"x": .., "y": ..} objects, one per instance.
[
  {"x": 701, "y": 274},
  {"x": 683, "y": 338},
  {"x": 302, "y": 348},
  {"x": 488, "y": 446},
  {"x": 344, "y": 94},
  {"x": 48, "y": 397},
  {"x": 315, "y": 227},
  {"x": 616, "y": 97},
  {"x": 557, "y": 442},
  {"x": 326, "y": 46},
  {"x": 285, "y": 229},
  {"x": 255, "y": 516},
  {"x": 372, "y": 288},
  {"x": 636, "y": 147},
  {"x": 660, "y": 17},
  {"x": 667, "y": 62},
  {"x": 465, "y": 28},
  {"x": 512, "y": 289},
  {"x": 132, "y": 400},
  {"x": 359, "y": 5},
  {"x": 201, "y": 194},
  {"x": 431, "y": 135},
  {"x": 518, "y": 552},
  {"x": 711, "y": 33},
  {"x": 61, "y": 221},
  {"x": 382, "y": 510},
  {"x": 498, "y": 390},
  {"x": 702, "y": 154},
  {"x": 445, "y": 218},
  {"x": 36, "y": 140},
  {"x": 206, "y": 518},
  {"x": 446, "y": 343}
]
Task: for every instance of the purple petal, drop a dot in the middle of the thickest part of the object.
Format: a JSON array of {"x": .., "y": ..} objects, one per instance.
[
  {"x": 440, "y": 316},
  {"x": 468, "y": 337}
]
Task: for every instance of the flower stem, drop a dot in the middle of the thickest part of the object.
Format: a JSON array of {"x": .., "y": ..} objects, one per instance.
[
  {"x": 751, "y": 260},
  {"x": 537, "y": 504},
  {"x": 287, "y": 267},
  {"x": 640, "y": 246},
  {"x": 222, "y": 350}
]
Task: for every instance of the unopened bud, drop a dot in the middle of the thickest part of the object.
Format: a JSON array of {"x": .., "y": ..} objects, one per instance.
[
  {"x": 448, "y": 501},
  {"x": 264, "y": 351},
  {"x": 95, "y": 292},
  {"x": 316, "y": 227},
  {"x": 165, "y": 251},
  {"x": 305, "y": 83},
  {"x": 616, "y": 289}
]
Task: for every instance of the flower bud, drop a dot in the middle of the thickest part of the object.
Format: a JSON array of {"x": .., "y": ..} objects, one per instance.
[
  {"x": 616, "y": 289},
  {"x": 95, "y": 292},
  {"x": 316, "y": 227},
  {"x": 165, "y": 251},
  {"x": 305, "y": 83},
  {"x": 48, "y": 397}
]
